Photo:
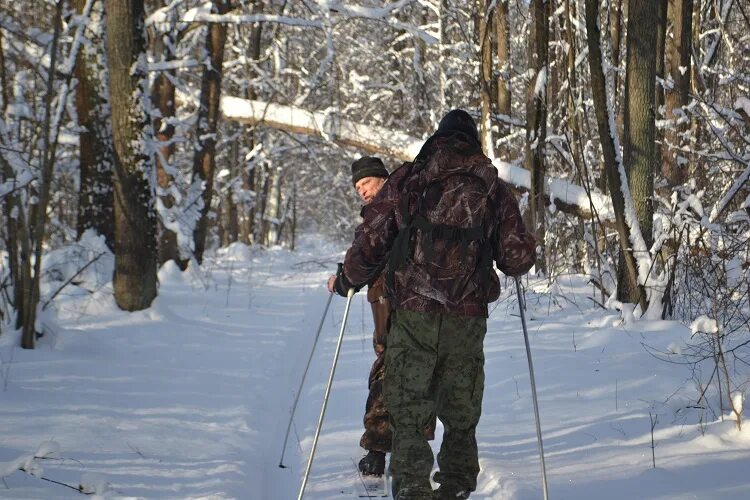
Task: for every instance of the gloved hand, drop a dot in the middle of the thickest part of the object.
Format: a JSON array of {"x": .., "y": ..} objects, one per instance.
[{"x": 339, "y": 284}]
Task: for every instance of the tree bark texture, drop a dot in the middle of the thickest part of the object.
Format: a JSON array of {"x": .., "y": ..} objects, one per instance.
[
  {"x": 639, "y": 145},
  {"x": 163, "y": 100},
  {"x": 231, "y": 233},
  {"x": 536, "y": 120},
  {"x": 607, "y": 130},
  {"x": 135, "y": 217},
  {"x": 502, "y": 34},
  {"x": 96, "y": 197},
  {"x": 247, "y": 228},
  {"x": 485, "y": 77},
  {"x": 12, "y": 209},
  {"x": 674, "y": 166},
  {"x": 661, "y": 33},
  {"x": 204, "y": 161},
  {"x": 38, "y": 212}
]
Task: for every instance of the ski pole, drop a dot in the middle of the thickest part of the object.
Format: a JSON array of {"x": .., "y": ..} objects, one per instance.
[
  {"x": 302, "y": 382},
  {"x": 349, "y": 296},
  {"x": 521, "y": 306}
]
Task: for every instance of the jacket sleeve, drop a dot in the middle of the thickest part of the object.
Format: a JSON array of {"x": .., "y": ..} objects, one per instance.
[
  {"x": 514, "y": 247},
  {"x": 373, "y": 238}
]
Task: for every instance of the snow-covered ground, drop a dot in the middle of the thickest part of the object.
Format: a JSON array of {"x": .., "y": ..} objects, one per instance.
[{"x": 191, "y": 398}]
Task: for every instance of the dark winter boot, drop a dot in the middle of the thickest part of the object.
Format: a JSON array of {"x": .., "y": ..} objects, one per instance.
[{"x": 373, "y": 464}]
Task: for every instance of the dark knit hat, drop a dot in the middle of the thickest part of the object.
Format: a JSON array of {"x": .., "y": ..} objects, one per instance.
[
  {"x": 368, "y": 166},
  {"x": 459, "y": 120}
]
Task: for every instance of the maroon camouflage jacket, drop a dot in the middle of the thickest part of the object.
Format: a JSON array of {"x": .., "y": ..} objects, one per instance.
[{"x": 512, "y": 246}]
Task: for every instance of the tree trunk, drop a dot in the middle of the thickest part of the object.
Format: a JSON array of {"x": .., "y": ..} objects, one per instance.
[
  {"x": 135, "y": 218},
  {"x": 536, "y": 121},
  {"x": 204, "y": 161},
  {"x": 231, "y": 234},
  {"x": 163, "y": 100},
  {"x": 639, "y": 146},
  {"x": 697, "y": 166},
  {"x": 12, "y": 209},
  {"x": 421, "y": 95},
  {"x": 442, "y": 48},
  {"x": 674, "y": 163},
  {"x": 95, "y": 198},
  {"x": 250, "y": 173},
  {"x": 273, "y": 208},
  {"x": 502, "y": 33},
  {"x": 485, "y": 77},
  {"x": 248, "y": 183},
  {"x": 619, "y": 16},
  {"x": 640, "y": 115},
  {"x": 573, "y": 100},
  {"x": 294, "y": 213},
  {"x": 267, "y": 176},
  {"x": 661, "y": 33},
  {"x": 38, "y": 211},
  {"x": 607, "y": 131}
]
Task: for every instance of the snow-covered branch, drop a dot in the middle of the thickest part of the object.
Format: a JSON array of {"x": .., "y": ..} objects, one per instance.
[
  {"x": 373, "y": 139},
  {"x": 344, "y": 12}
]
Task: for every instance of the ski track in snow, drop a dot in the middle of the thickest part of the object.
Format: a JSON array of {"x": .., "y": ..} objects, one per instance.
[{"x": 191, "y": 398}]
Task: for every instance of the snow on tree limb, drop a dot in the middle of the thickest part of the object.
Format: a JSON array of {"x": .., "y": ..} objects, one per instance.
[
  {"x": 729, "y": 195},
  {"x": 385, "y": 14},
  {"x": 372, "y": 139}
]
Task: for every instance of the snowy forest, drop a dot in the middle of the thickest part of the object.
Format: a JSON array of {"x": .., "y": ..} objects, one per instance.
[{"x": 191, "y": 154}]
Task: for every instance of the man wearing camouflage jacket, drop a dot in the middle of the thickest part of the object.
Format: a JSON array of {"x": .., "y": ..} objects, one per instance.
[
  {"x": 435, "y": 356},
  {"x": 368, "y": 176}
]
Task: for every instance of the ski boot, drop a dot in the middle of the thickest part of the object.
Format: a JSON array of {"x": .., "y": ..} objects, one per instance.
[{"x": 373, "y": 464}]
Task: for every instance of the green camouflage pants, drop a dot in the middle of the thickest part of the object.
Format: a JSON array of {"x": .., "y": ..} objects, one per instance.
[{"x": 434, "y": 365}]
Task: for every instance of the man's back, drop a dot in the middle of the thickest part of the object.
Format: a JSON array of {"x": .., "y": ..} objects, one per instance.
[{"x": 424, "y": 283}]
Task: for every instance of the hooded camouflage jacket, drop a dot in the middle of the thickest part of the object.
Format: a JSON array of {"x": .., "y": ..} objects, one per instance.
[{"x": 513, "y": 248}]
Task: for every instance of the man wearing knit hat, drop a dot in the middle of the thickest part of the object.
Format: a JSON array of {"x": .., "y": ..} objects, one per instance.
[
  {"x": 439, "y": 223},
  {"x": 368, "y": 176}
]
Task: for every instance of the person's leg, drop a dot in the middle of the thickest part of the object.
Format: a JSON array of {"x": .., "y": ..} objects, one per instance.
[
  {"x": 377, "y": 435},
  {"x": 410, "y": 361},
  {"x": 460, "y": 384}
]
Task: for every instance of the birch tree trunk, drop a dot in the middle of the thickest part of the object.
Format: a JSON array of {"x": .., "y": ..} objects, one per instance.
[
  {"x": 204, "y": 161},
  {"x": 273, "y": 208},
  {"x": 135, "y": 217}
]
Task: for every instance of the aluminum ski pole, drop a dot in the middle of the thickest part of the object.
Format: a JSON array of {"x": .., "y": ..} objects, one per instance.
[
  {"x": 302, "y": 382},
  {"x": 521, "y": 306},
  {"x": 349, "y": 296}
]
